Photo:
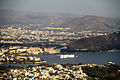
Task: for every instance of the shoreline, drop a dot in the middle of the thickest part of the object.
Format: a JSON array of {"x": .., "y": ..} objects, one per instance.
[{"x": 60, "y": 71}]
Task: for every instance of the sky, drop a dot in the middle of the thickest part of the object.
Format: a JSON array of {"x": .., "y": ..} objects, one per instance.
[{"x": 107, "y": 8}]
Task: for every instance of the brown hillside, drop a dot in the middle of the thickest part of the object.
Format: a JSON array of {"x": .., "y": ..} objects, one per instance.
[{"x": 105, "y": 42}]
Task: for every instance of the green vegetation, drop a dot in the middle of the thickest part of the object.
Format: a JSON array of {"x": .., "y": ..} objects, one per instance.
[{"x": 108, "y": 72}]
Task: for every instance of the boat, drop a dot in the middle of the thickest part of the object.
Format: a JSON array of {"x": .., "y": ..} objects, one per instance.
[{"x": 67, "y": 56}]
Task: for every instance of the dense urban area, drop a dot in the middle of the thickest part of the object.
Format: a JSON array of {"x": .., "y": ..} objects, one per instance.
[
  {"x": 18, "y": 41},
  {"x": 48, "y": 38},
  {"x": 109, "y": 71}
]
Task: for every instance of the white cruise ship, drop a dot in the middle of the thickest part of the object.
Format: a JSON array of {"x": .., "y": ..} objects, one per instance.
[{"x": 67, "y": 56}]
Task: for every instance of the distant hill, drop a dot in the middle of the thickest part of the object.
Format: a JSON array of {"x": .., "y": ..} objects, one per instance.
[
  {"x": 105, "y": 42},
  {"x": 23, "y": 17},
  {"x": 93, "y": 23}
]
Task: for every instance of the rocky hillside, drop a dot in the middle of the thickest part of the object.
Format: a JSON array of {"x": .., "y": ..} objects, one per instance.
[
  {"x": 105, "y": 42},
  {"x": 93, "y": 23}
]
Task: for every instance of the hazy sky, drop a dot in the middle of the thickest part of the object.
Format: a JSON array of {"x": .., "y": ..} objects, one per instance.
[{"x": 108, "y": 8}]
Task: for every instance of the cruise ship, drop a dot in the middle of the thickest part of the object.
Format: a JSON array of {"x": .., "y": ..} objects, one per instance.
[{"x": 67, "y": 56}]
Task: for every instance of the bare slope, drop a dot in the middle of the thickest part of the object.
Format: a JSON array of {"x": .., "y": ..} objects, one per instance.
[{"x": 105, "y": 42}]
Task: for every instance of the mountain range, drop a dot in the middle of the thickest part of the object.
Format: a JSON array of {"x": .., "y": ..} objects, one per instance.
[
  {"x": 93, "y": 23},
  {"x": 25, "y": 17},
  {"x": 73, "y": 21}
]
